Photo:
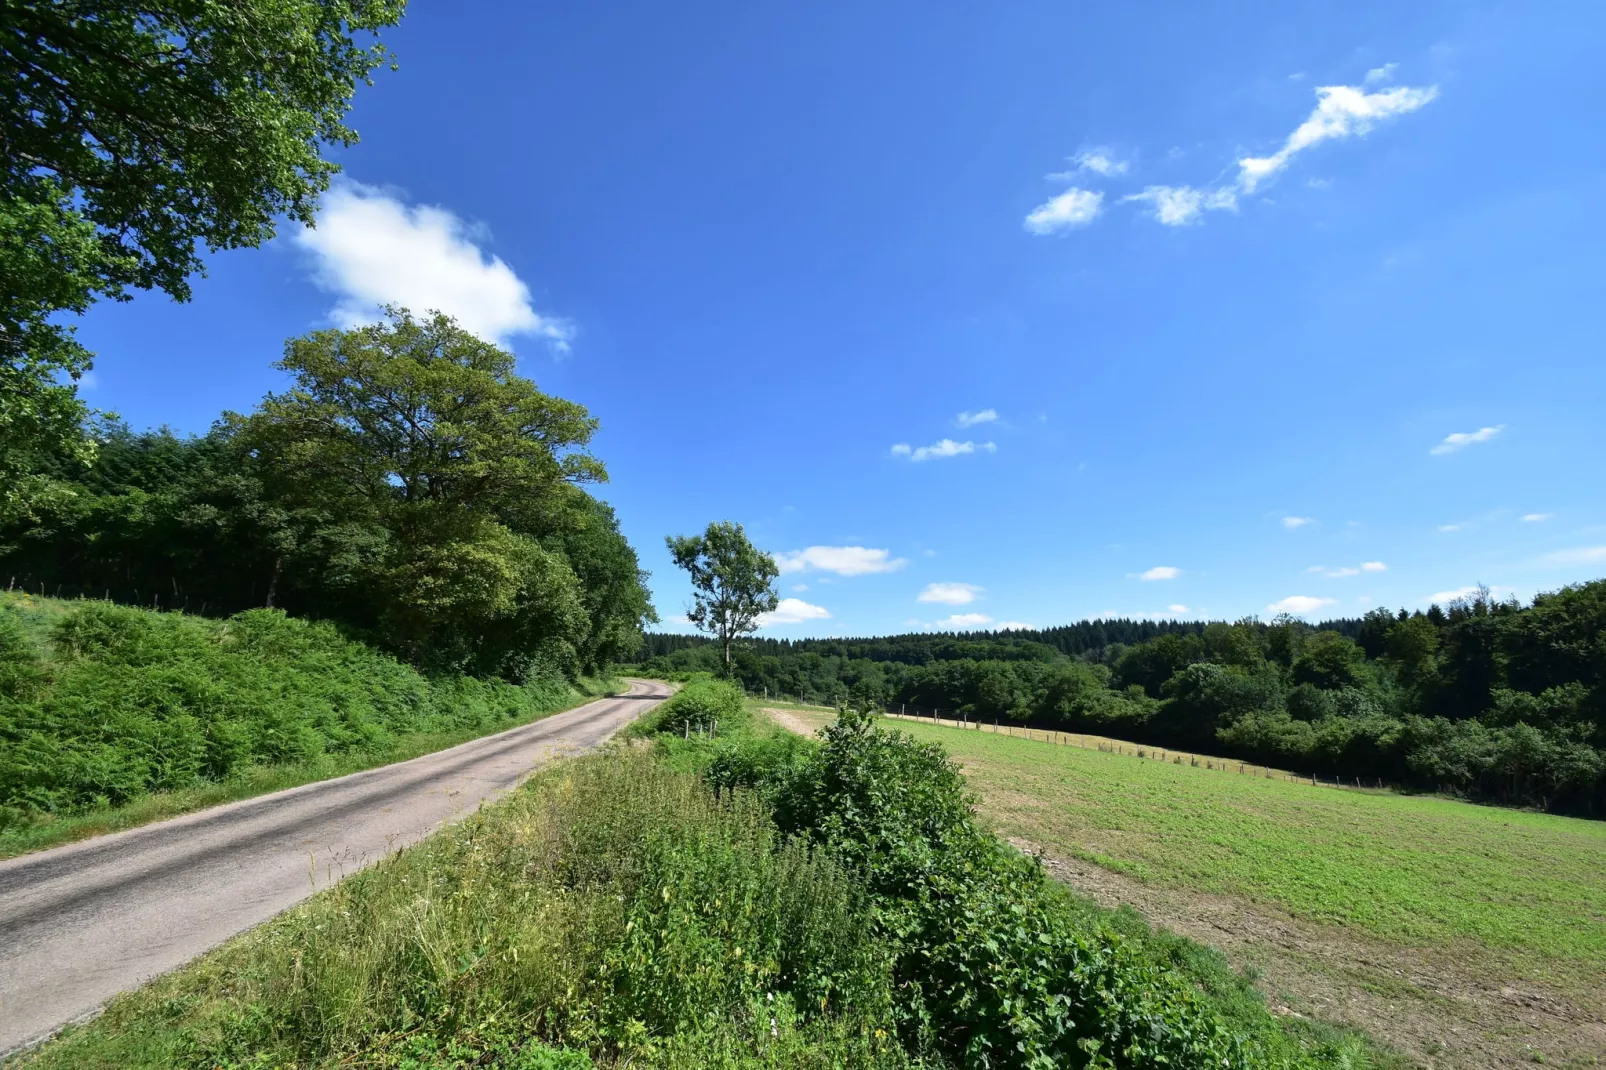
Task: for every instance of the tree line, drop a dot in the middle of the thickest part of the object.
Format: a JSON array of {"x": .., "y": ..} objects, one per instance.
[
  {"x": 409, "y": 485},
  {"x": 1497, "y": 701}
]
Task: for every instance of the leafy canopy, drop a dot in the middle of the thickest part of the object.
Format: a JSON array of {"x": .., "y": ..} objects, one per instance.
[
  {"x": 733, "y": 582},
  {"x": 134, "y": 135}
]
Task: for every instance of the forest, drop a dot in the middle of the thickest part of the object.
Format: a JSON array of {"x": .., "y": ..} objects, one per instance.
[
  {"x": 408, "y": 486},
  {"x": 1492, "y": 700}
]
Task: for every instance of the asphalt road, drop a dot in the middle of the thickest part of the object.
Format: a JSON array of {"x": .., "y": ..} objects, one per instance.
[{"x": 81, "y": 923}]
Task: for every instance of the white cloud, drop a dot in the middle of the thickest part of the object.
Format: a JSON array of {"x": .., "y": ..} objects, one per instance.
[
  {"x": 1449, "y": 527},
  {"x": 1177, "y": 608},
  {"x": 963, "y": 621},
  {"x": 1373, "y": 566},
  {"x": 1014, "y": 626},
  {"x": 799, "y": 588},
  {"x": 1299, "y": 604},
  {"x": 1101, "y": 162},
  {"x": 1341, "y": 111},
  {"x": 793, "y": 611},
  {"x": 1073, "y": 208},
  {"x": 971, "y": 419},
  {"x": 843, "y": 560},
  {"x": 1160, "y": 572},
  {"x": 1317, "y": 568},
  {"x": 952, "y": 594},
  {"x": 1536, "y": 518},
  {"x": 1340, "y": 573},
  {"x": 371, "y": 249},
  {"x": 937, "y": 450},
  {"x": 1378, "y": 75},
  {"x": 1177, "y": 206},
  {"x": 1460, "y": 440},
  {"x": 1292, "y": 522},
  {"x": 1583, "y": 555}
]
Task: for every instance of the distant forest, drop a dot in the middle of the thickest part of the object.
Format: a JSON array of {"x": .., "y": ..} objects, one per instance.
[{"x": 1497, "y": 701}]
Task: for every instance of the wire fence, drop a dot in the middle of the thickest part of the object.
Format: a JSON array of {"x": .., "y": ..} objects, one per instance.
[{"x": 1106, "y": 745}]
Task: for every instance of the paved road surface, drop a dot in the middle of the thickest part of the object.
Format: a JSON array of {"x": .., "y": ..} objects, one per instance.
[{"x": 80, "y": 923}]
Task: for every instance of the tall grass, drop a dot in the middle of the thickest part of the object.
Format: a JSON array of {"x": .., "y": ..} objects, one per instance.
[
  {"x": 104, "y": 706},
  {"x": 613, "y": 908}
]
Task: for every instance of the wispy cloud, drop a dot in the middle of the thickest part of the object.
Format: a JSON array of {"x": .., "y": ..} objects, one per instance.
[
  {"x": 793, "y": 611},
  {"x": 1177, "y": 206},
  {"x": 1347, "y": 570},
  {"x": 1341, "y": 111},
  {"x": 971, "y": 419},
  {"x": 1299, "y": 604},
  {"x": 1101, "y": 161},
  {"x": 944, "y": 448},
  {"x": 1159, "y": 572},
  {"x": 1074, "y": 208},
  {"x": 1460, "y": 440},
  {"x": 1379, "y": 75},
  {"x": 1014, "y": 626},
  {"x": 842, "y": 560},
  {"x": 952, "y": 594},
  {"x": 370, "y": 248},
  {"x": 1449, "y": 527},
  {"x": 1178, "y": 608},
  {"x": 1292, "y": 522},
  {"x": 1536, "y": 518}
]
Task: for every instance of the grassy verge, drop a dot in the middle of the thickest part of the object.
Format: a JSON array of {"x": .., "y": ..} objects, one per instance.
[
  {"x": 44, "y": 830},
  {"x": 747, "y": 899}
]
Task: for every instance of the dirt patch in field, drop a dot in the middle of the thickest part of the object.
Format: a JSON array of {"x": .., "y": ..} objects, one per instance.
[
  {"x": 1436, "y": 1006},
  {"x": 791, "y": 720}
]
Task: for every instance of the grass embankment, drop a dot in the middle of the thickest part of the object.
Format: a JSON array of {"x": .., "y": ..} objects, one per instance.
[
  {"x": 755, "y": 900},
  {"x": 1476, "y": 899},
  {"x": 111, "y": 716}
]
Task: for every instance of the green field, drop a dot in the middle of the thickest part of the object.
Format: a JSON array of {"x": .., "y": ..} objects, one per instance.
[{"x": 1491, "y": 897}]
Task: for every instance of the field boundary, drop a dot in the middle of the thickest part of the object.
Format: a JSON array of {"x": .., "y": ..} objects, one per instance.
[{"x": 1109, "y": 745}]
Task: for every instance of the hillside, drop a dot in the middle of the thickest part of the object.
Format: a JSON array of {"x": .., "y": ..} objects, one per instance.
[{"x": 112, "y": 715}]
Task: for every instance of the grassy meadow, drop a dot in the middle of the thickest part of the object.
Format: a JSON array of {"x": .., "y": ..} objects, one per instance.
[{"x": 1500, "y": 900}]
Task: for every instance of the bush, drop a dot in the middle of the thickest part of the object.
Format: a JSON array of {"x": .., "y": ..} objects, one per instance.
[
  {"x": 992, "y": 966},
  {"x": 704, "y": 704},
  {"x": 135, "y": 702}
]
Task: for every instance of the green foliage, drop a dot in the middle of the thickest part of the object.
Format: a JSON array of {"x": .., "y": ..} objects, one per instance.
[
  {"x": 1490, "y": 700},
  {"x": 135, "y": 702},
  {"x": 733, "y": 582},
  {"x": 612, "y": 908},
  {"x": 993, "y": 964},
  {"x": 704, "y": 704},
  {"x": 135, "y": 135},
  {"x": 410, "y": 485}
]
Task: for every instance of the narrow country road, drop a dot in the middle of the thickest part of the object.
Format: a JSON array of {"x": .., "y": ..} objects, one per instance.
[{"x": 81, "y": 923}]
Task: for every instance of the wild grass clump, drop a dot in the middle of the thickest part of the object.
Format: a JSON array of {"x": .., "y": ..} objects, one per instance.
[
  {"x": 102, "y": 704},
  {"x": 612, "y": 910}
]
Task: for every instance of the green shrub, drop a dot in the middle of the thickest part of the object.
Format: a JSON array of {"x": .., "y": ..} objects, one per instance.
[
  {"x": 136, "y": 702},
  {"x": 704, "y": 704}
]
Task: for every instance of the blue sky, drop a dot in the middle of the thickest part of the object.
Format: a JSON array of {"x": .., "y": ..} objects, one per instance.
[{"x": 979, "y": 314}]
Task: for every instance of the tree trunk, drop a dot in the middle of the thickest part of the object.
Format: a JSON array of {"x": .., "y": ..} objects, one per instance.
[{"x": 273, "y": 582}]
